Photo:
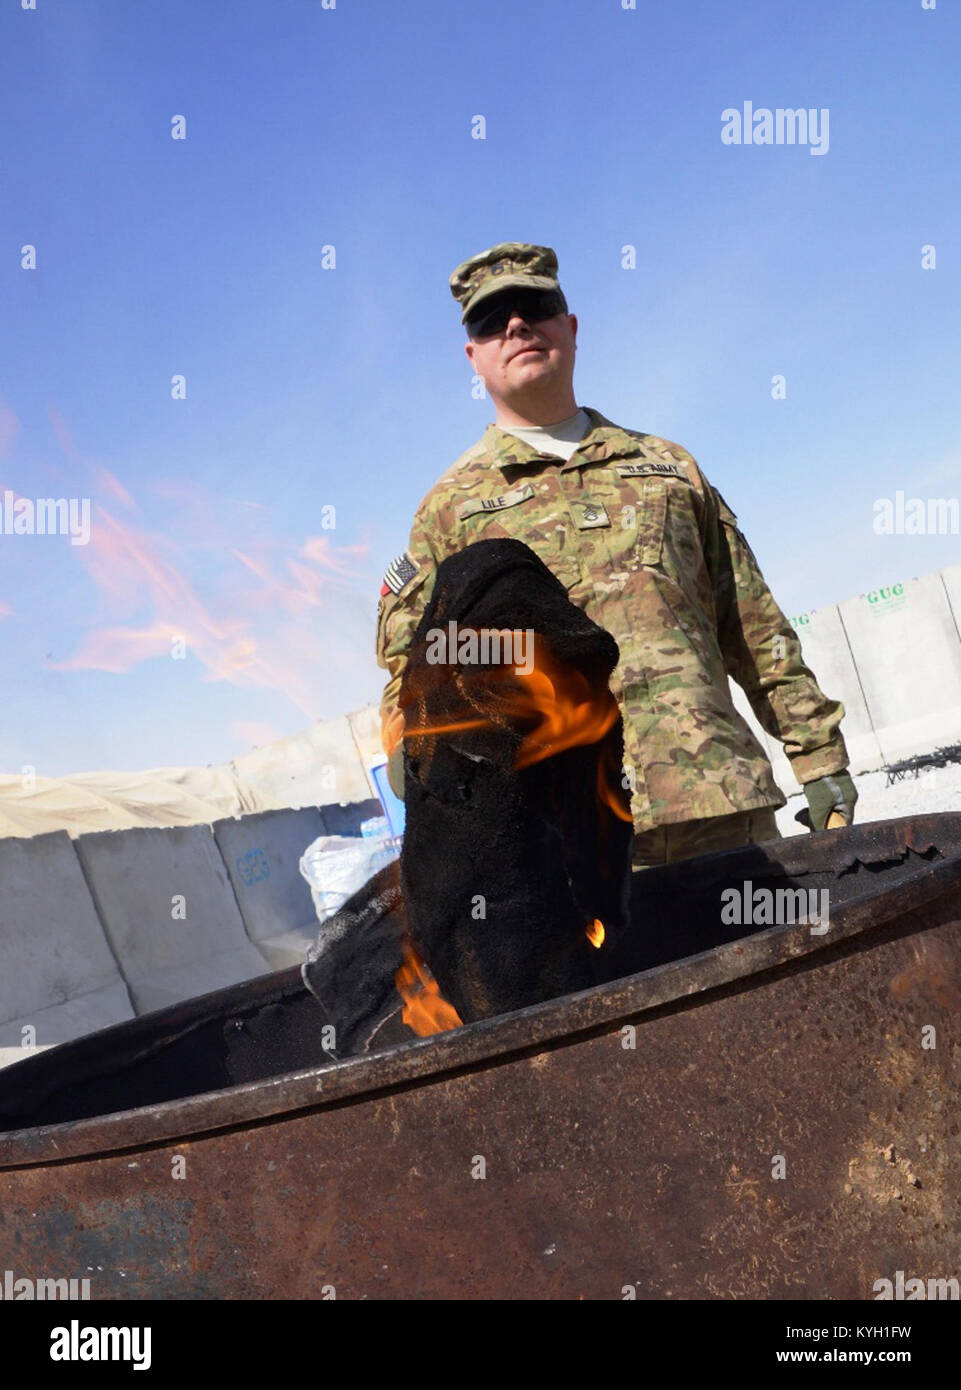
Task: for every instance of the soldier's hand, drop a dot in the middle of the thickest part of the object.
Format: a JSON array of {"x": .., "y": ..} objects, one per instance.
[{"x": 834, "y": 793}]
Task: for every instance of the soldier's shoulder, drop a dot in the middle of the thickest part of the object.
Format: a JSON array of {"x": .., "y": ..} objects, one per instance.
[
  {"x": 478, "y": 451},
  {"x": 476, "y": 456},
  {"x": 452, "y": 477},
  {"x": 655, "y": 443},
  {"x": 656, "y": 446},
  {"x": 667, "y": 449}
]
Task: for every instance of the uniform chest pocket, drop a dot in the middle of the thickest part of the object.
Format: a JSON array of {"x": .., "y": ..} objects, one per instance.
[{"x": 663, "y": 500}]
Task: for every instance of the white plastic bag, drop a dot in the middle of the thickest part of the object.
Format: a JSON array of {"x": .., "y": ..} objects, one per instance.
[{"x": 335, "y": 866}]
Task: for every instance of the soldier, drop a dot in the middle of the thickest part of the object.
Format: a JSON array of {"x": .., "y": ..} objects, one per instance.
[{"x": 650, "y": 550}]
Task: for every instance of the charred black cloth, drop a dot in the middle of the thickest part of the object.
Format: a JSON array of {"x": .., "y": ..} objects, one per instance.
[
  {"x": 351, "y": 969},
  {"x": 505, "y": 867}
]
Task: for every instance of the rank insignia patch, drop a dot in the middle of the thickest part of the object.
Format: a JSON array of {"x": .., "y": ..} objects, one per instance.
[
  {"x": 398, "y": 574},
  {"x": 590, "y": 514}
]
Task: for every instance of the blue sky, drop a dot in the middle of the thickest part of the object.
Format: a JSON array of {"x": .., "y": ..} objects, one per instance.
[{"x": 348, "y": 388}]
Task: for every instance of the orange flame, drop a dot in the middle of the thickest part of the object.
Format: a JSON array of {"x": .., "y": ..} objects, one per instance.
[
  {"x": 425, "y": 1009},
  {"x": 571, "y": 713},
  {"x": 566, "y": 709},
  {"x": 595, "y": 933}
]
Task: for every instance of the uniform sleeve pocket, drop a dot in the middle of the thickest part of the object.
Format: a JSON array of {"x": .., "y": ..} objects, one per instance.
[{"x": 651, "y": 520}]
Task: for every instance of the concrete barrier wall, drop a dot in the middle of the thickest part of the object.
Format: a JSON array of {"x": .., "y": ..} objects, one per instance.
[
  {"x": 169, "y": 912},
  {"x": 262, "y": 857},
  {"x": 893, "y": 657},
  {"x": 97, "y": 930},
  {"x": 951, "y": 579},
  {"x": 58, "y": 975},
  {"x": 827, "y": 652},
  {"x": 908, "y": 655}
]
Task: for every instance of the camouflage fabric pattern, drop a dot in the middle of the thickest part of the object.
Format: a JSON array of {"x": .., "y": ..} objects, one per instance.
[
  {"x": 509, "y": 264},
  {"x": 652, "y": 553},
  {"x": 666, "y": 844}
]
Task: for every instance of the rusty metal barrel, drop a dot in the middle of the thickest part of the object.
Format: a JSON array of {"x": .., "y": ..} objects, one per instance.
[{"x": 774, "y": 1116}]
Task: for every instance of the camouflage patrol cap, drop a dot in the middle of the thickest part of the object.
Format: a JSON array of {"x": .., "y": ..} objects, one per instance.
[{"x": 509, "y": 264}]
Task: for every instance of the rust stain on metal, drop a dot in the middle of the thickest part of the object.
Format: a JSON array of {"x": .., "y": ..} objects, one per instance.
[{"x": 932, "y": 974}]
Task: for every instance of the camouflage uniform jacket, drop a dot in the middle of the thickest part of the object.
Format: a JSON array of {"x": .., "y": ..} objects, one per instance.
[{"x": 652, "y": 553}]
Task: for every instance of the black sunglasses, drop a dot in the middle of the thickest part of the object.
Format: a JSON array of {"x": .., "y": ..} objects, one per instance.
[{"x": 532, "y": 305}]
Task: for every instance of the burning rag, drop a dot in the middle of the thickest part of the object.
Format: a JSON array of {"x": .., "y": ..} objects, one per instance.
[{"x": 516, "y": 854}]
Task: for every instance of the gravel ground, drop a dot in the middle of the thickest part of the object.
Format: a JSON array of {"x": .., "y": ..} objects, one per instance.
[{"x": 937, "y": 789}]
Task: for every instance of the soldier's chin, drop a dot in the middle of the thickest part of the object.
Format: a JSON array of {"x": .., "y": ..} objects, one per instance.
[{"x": 538, "y": 361}]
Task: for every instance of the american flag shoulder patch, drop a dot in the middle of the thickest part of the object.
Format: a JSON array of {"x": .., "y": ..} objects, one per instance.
[{"x": 398, "y": 574}]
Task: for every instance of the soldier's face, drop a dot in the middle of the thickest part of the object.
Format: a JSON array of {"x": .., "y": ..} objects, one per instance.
[{"x": 525, "y": 358}]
